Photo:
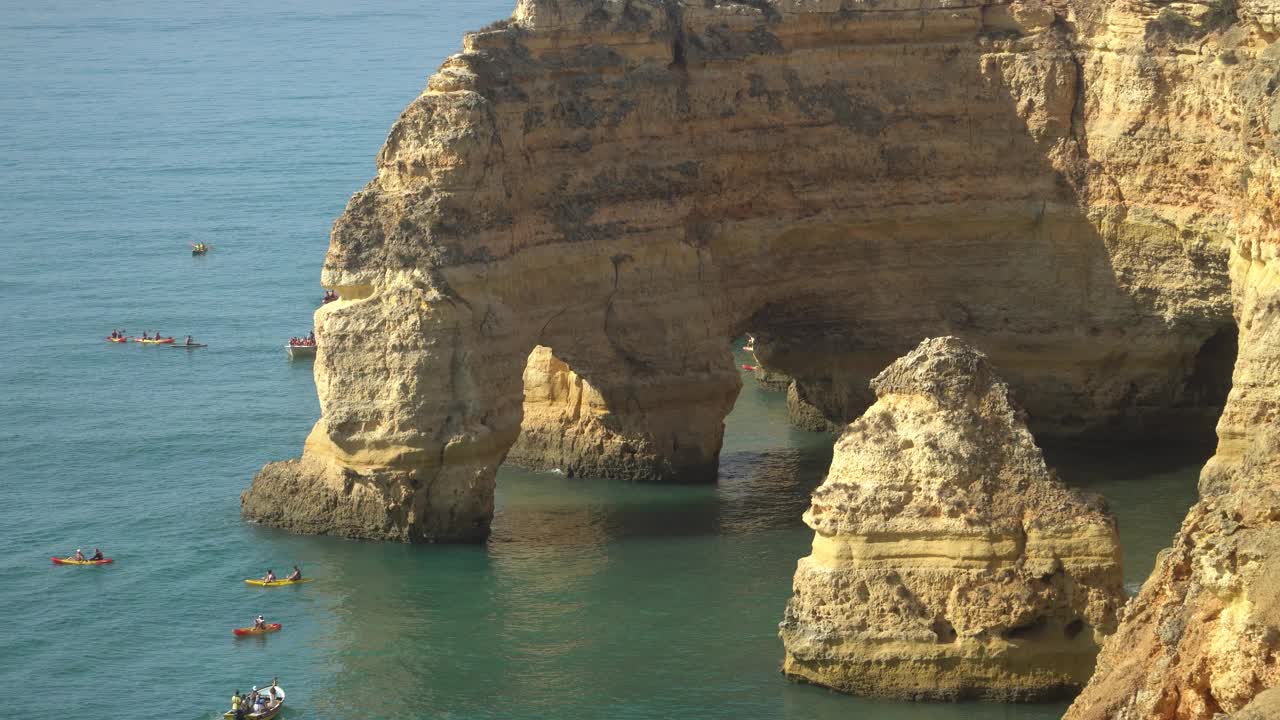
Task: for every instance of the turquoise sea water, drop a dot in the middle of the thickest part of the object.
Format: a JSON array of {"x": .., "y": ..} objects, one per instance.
[{"x": 130, "y": 128}]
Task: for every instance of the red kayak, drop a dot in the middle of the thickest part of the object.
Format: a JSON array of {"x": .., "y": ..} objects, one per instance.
[
  {"x": 749, "y": 368},
  {"x": 118, "y": 339},
  {"x": 73, "y": 561},
  {"x": 270, "y": 628}
]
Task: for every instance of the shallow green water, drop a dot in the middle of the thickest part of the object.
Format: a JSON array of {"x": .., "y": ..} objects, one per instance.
[{"x": 129, "y": 129}]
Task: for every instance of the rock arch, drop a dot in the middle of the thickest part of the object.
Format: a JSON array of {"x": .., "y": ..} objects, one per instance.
[{"x": 632, "y": 182}]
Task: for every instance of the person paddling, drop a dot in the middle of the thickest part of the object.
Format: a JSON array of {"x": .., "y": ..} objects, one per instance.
[
  {"x": 269, "y": 577},
  {"x": 79, "y": 555},
  {"x": 259, "y": 623},
  {"x": 97, "y": 555},
  {"x": 296, "y": 575}
]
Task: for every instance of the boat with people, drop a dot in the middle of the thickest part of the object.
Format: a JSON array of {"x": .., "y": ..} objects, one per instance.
[
  {"x": 78, "y": 558},
  {"x": 190, "y": 344},
  {"x": 265, "y": 629},
  {"x": 200, "y": 248},
  {"x": 270, "y": 579},
  {"x": 73, "y": 561},
  {"x": 155, "y": 341},
  {"x": 261, "y": 704},
  {"x": 259, "y": 582},
  {"x": 301, "y": 347}
]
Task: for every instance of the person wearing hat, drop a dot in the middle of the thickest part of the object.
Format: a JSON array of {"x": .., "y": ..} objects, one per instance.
[
  {"x": 79, "y": 555},
  {"x": 259, "y": 623}
]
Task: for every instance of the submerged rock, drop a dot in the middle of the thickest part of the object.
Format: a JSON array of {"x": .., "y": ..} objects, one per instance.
[{"x": 948, "y": 561}]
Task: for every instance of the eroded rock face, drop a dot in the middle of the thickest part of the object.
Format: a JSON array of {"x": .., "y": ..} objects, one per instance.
[
  {"x": 568, "y": 426},
  {"x": 948, "y": 561},
  {"x": 1203, "y": 635},
  {"x": 633, "y": 183}
]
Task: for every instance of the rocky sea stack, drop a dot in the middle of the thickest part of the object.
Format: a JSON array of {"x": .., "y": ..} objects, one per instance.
[{"x": 948, "y": 561}]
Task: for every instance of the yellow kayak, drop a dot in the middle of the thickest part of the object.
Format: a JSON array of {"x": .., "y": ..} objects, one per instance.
[{"x": 278, "y": 583}]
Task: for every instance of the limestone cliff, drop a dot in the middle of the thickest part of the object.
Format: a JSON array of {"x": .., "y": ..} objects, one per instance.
[
  {"x": 1201, "y": 638},
  {"x": 1203, "y": 635},
  {"x": 630, "y": 183},
  {"x": 948, "y": 561},
  {"x": 567, "y": 426}
]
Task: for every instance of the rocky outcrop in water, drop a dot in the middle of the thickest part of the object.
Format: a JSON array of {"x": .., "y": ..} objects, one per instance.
[
  {"x": 568, "y": 426},
  {"x": 631, "y": 183},
  {"x": 948, "y": 561}
]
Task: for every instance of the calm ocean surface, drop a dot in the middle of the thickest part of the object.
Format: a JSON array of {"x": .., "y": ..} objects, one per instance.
[{"x": 130, "y": 128}]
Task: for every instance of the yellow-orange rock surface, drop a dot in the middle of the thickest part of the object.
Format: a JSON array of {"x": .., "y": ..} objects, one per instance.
[{"x": 948, "y": 561}]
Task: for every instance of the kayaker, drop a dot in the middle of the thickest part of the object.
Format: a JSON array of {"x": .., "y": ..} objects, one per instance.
[
  {"x": 269, "y": 577},
  {"x": 97, "y": 554},
  {"x": 79, "y": 555},
  {"x": 295, "y": 575},
  {"x": 259, "y": 623}
]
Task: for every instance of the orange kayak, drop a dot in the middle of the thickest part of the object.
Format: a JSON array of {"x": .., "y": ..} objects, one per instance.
[
  {"x": 118, "y": 339},
  {"x": 270, "y": 628}
]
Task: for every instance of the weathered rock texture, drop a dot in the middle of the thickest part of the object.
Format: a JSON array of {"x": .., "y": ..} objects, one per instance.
[
  {"x": 1203, "y": 635},
  {"x": 948, "y": 561},
  {"x": 568, "y": 426},
  {"x": 630, "y": 183}
]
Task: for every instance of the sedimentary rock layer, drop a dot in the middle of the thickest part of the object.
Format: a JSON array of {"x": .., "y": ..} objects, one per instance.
[
  {"x": 1203, "y": 636},
  {"x": 948, "y": 561},
  {"x": 568, "y": 426},
  {"x": 631, "y": 183}
]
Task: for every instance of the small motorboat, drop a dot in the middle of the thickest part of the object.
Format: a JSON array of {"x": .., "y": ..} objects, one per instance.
[
  {"x": 244, "y": 632},
  {"x": 300, "y": 351},
  {"x": 277, "y": 583},
  {"x": 272, "y": 710},
  {"x": 73, "y": 561}
]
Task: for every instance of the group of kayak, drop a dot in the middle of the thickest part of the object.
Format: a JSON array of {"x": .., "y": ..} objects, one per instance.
[
  {"x": 122, "y": 336},
  {"x": 258, "y": 704}
]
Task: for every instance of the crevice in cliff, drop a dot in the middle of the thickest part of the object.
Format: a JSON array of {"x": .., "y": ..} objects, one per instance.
[{"x": 675, "y": 24}]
